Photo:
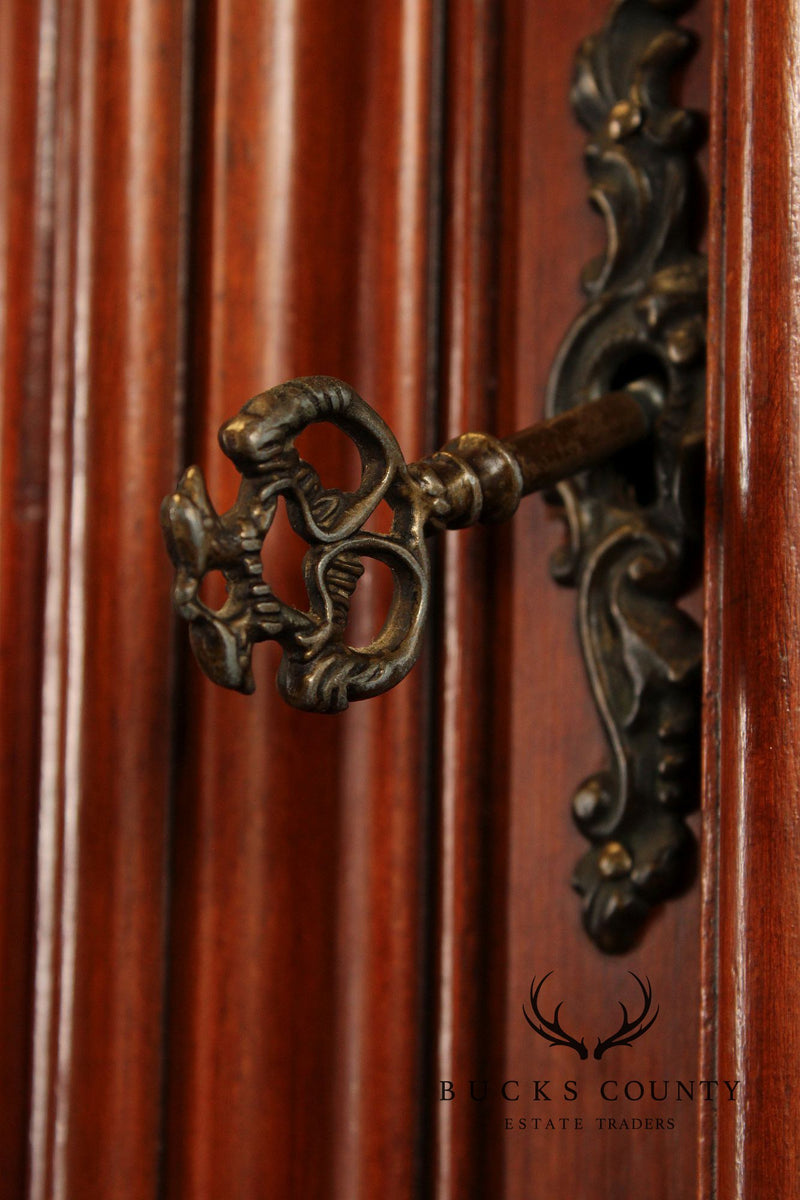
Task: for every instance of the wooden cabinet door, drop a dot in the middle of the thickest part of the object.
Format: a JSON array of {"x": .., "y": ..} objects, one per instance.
[{"x": 250, "y": 952}]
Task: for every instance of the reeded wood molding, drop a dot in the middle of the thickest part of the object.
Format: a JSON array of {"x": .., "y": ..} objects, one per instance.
[
  {"x": 467, "y": 828},
  {"x": 27, "y": 110},
  {"x": 106, "y": 736},
  {"x": 299, "y": 876}
]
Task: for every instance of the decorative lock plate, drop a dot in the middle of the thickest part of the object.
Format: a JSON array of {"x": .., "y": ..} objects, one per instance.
[
  {"x": 635, "y": 521},
  {"x": 625, "y": 404}
]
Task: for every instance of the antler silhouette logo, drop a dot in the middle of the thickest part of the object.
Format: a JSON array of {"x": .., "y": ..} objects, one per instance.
[
  {"x": 629, "y": 1030},
  {"x": 627, "y": 1033},
  {"x": 551, "y": 1031}
]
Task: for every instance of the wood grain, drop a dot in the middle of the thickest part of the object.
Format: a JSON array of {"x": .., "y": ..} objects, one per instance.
[
  {"x": 753, "y": 683},
  {"x": 26, "y": 181},
  {"x": 241, "y": 944},
  {"x": 107, "y": 736},
  {"x": 469, "y": 799}
]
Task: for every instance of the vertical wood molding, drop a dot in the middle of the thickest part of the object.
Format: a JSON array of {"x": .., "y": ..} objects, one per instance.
[
  {"x": 753, "y": 682},
  {"x": 26, "y": 215},
  {"x": 106, "y": 733},
  {"x": 296, "y": 1006},
  {"x": 469, "y": 798}
]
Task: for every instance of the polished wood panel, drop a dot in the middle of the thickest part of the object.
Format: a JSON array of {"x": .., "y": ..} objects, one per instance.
[
  {"x": 753, "y": 682},
  {"x": 106, "y": 733}
]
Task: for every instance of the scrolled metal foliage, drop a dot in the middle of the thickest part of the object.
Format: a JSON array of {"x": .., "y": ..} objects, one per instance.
[
  {"x": 634, "y": 522},
  {"x": 319, "y": 670}
]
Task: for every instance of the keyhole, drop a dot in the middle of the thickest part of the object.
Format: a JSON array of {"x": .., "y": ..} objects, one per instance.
[{"x": 644, "y": 373}]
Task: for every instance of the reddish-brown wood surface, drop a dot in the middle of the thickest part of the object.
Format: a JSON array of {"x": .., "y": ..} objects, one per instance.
[
  {"x": 468, "y": 795},
  {"x": 106, "y": 721},
  {"x": 26, "y": 113},
  {"x": 753, "y": 675},
  {"x": 242, "y": 945},
  {"x": 296, "y": 995}
]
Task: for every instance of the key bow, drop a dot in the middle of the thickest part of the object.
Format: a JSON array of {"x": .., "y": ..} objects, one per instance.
[{"x": 319, "y": 670}]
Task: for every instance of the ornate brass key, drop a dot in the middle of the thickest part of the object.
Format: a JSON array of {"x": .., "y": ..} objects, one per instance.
[{"x": 475, "y": 478}]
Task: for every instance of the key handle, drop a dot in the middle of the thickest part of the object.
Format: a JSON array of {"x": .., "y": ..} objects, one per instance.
[{"x": 319, "y": 669}]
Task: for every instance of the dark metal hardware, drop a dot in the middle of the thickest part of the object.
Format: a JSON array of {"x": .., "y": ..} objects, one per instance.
[
  {"x": 635, "y": 523},
  {"x": 630, "y": 371},
  {"x": 475, "y": 478}
]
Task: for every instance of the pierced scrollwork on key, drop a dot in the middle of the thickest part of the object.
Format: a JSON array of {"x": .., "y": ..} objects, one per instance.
[
  {"x": 635, "y": 521},
  {"x": 319, "y": 670}
]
